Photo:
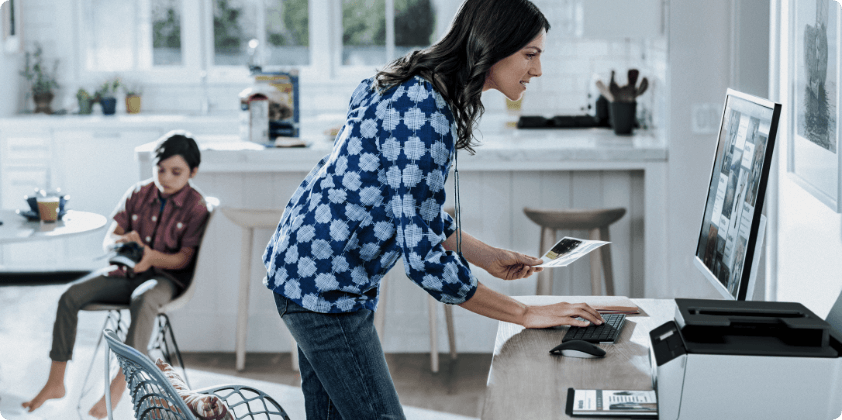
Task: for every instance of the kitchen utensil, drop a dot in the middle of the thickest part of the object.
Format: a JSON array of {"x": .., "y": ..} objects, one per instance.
[
  {"x": 633, "y": 75},
  {"x": 642, "y": 88},
  {"x": 613, "y": 87},
  {"x": 604, "y": 90}
]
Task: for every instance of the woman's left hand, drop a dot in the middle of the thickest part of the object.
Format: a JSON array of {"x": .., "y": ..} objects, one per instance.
[{"x": 510, "y": 265}]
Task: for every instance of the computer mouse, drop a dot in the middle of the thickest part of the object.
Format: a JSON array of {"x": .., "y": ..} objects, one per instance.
[{"x": 578, "y": 348}]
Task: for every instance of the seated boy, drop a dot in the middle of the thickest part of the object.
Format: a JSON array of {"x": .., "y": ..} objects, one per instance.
[{"x": 165, "y": 215}]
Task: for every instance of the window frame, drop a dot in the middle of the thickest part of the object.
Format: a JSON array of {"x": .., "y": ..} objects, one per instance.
[{"x": 325, "y": 48}]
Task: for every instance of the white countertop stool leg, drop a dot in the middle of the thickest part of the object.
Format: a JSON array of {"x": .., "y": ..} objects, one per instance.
[
  {"x": 249, "y": 220},
  {"x": 596, "y": 222}
]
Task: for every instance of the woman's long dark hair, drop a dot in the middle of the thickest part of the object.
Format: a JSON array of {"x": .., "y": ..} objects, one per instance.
[{"x": 482, "y": 33}]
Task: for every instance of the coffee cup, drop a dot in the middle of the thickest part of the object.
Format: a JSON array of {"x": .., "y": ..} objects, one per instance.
[{"x": 48, "y": 208}]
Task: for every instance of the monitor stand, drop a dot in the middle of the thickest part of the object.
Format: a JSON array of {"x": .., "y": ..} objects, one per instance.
[{"x": 758, "y": 247}]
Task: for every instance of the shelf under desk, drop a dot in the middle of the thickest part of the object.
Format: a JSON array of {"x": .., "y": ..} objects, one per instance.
[{"x": 527, "y": 382}]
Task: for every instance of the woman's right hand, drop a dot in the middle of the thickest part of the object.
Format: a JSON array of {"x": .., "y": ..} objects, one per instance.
[{"x": 562, "y": 313}]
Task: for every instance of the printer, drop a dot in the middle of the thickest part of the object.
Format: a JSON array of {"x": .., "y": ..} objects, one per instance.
[{"x": 725, "y": 359}]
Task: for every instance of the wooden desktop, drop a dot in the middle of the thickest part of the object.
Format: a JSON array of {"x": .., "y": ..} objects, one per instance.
[{"x": 527, "y": 382}]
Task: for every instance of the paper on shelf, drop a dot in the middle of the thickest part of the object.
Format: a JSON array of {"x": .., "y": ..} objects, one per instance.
[{"x": 567, "y": 250}]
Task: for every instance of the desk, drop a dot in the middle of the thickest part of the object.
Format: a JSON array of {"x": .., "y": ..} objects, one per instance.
[
  {"x": 16, "y": 228},
  {"x": 526, "y": 382}
]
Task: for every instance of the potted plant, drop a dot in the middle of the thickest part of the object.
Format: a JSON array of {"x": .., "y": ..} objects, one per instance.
[
  {"x": 42, "y": 81},
  {"x": 85, "y": 100},
  {"x": 106, "y": 95},
  {"x": 133, "y": 99}
]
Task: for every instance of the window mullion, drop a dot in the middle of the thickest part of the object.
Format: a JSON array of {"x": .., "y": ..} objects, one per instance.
[
  {"x": 325, "y": 17},
  {"x": 262, "y": 38},
  {"x": 194, "y": 36},
  {"x": 390, "y": 30}
]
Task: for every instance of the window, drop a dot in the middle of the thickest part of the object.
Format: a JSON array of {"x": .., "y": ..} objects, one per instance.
[
  {"x": 173, "y": 41},
  {"x": 378, "y": 31},
  {"x": 166, "y": 32},
  {"x": 280, "y": 26}
]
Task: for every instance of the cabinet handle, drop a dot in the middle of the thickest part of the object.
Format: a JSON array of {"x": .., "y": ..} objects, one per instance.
[
  {"x": 24, "y": 183},
  {"x": 28, "y": 148},
  {"x": 106, "y": 134}
]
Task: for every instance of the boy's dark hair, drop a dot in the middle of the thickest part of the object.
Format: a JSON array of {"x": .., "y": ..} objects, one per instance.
[{"x": 181, "y": 143}]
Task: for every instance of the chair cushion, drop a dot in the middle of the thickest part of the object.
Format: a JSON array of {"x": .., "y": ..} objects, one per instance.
[{"x": 203, "y": 406}]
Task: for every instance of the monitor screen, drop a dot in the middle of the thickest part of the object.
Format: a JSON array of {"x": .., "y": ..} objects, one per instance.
[{"x": 727, "y": 241}]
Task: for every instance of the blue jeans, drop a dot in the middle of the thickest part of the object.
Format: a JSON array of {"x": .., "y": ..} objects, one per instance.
[{"x": 343, "y": 370}]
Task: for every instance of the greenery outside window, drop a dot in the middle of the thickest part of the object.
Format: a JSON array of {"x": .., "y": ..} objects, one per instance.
[
  {"x": 166, "y": 32},
  {"x": 378, "y": 31},
  {"x": 279, "y": 26}
]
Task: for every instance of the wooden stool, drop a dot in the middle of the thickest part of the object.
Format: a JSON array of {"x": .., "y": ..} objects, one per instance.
[
  {"x": 249, "y": 220},
  {"x": 595, "y": 221}
]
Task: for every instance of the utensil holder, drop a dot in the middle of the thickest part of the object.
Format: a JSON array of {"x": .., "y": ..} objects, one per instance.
[{"x": 622, "y": 116}]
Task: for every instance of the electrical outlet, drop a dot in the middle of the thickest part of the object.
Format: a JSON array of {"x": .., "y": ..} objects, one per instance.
[{"x": 705, "y": 118}]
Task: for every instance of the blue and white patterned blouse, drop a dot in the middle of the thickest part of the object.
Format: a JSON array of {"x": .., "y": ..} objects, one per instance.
[{"x": 376, "y": 198}]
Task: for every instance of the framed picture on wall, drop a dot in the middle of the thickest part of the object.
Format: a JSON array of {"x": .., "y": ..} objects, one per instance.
[
  {"x": 813, "y": 155},
  {"x": 10, "y": 25}
]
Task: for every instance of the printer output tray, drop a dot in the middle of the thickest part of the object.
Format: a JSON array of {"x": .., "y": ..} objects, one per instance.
[{"x": 754, "y": 329}]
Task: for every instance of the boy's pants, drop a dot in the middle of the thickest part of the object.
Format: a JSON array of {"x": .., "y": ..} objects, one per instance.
[{"x": 145, "y": 293}]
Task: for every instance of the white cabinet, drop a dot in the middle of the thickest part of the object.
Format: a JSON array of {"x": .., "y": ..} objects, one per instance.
[{"x": 27, "y": 158}]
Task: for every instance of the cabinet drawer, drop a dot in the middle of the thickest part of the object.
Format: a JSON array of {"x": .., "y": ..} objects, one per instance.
[
  {"x": 21, "y": 181},
  {"x": 26, "y": 148}
]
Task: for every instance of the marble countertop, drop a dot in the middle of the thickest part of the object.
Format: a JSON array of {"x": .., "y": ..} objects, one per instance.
[{"x": 512, "y": 149}]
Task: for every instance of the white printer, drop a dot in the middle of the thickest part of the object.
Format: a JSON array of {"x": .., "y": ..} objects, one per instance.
[{"x": 745, "y": 360}]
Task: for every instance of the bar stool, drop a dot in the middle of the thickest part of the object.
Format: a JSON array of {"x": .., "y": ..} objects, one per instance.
[
  {"x": 249, "y": 220},
  {"x": 596, "y": 222}
]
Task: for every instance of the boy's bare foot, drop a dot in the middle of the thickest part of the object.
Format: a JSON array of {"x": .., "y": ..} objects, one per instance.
[
  {"x": 98, "y": 410},
  {"x": 50, "y": 391}
]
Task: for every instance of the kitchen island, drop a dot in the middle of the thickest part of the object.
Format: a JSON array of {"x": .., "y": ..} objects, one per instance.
[{"x": 512, "y": 169}]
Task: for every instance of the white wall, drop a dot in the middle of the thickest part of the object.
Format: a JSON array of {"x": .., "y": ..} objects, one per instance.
[
  {"x": 809, "y": 235},
  {"x": 699, "y": 72},
  {"x": 712, "y": 46},
  {"x": 9, "y": 91}
]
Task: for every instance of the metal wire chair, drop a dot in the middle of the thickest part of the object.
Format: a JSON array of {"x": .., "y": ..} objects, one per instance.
[{"x": 153, "y": 397}]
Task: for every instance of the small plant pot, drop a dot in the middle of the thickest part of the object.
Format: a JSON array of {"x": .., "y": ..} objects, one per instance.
[
  {"x": 86, "y": 106},
  {"x": 622, "y": 116},
  {"x": 42, "y": 102},
  {"x": 132, "y": 104},
  {"x": 109, "y": 105}
]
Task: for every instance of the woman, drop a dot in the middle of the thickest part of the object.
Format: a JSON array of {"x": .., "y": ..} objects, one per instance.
[{"x": 378, "y": 197}]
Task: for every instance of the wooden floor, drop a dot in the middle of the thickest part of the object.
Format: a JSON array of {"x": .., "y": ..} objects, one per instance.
[
  {"x": 27, "y": 315},
  {"x": 457, "y": 388}
]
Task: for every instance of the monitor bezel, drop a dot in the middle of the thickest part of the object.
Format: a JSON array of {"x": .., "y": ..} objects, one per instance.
[{"x": 749, "y": 272}]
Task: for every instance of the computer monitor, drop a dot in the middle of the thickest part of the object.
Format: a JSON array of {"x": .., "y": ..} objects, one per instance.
[{"x": 731, "y": 237}]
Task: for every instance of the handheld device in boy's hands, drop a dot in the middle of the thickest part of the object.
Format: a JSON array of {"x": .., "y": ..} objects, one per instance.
[
  {"x": 567, "y": 250},
  {"x": 127, "y": 254}
]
